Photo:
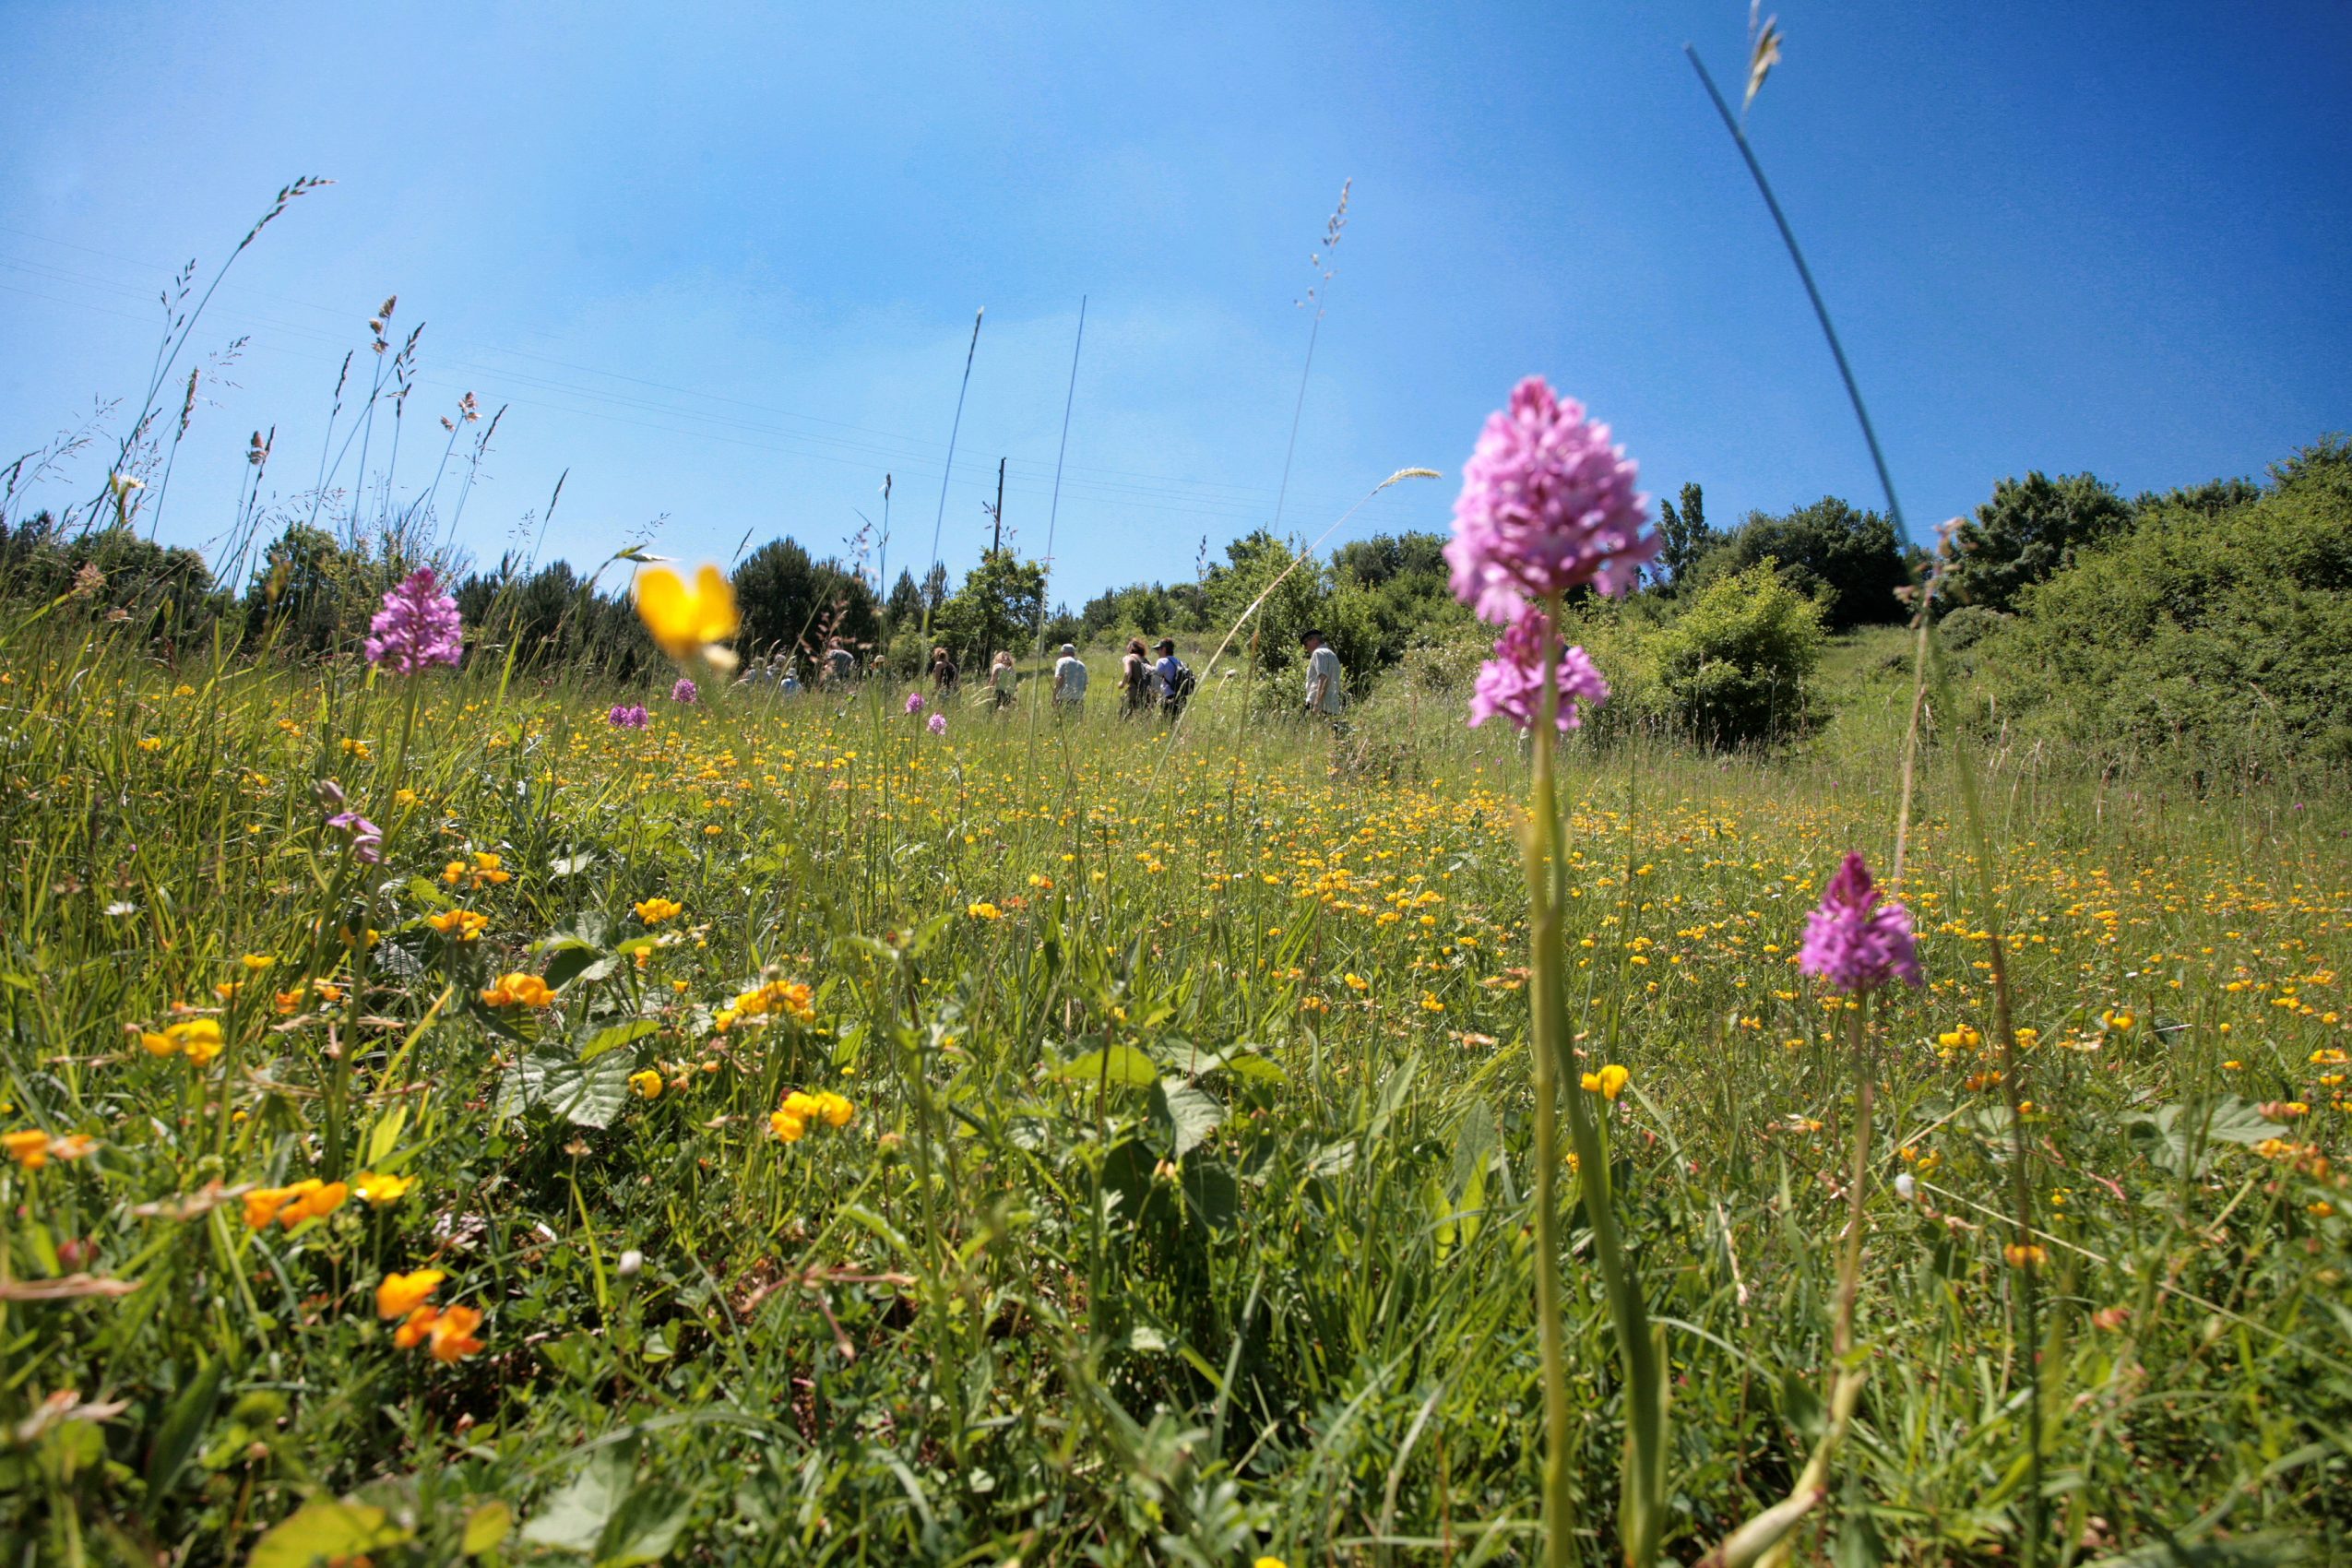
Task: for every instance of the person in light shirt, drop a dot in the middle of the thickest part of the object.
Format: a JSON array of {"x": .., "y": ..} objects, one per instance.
[
  {"x": 1069, "y": 680},
  {"x": 1326, "y": 686}
]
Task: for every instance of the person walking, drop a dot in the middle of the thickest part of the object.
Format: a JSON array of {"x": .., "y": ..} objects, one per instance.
[
  {"x": 1002, "y": 681},
  {"x": 1069, "y": 681},
  {"x": 1326, "y": 684},
  {"x": 1134, "y": 679},
  {"x": 840, "y": 664},
  {"x": 1172, "y": 682},
  {"x": 945, "y": 676}
]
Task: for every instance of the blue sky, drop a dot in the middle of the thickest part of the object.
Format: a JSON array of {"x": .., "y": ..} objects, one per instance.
[{"x": 721, "y": 263}]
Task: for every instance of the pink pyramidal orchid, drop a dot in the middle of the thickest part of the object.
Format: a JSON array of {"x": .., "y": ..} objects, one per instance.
[
  {"x": 1547, "y": 505},
  {"x": 1854, "y": 942},
  {"x": 418, "y": 624}
]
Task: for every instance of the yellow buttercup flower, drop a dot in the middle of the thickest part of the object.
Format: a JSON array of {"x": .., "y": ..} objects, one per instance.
[
  {"x": 646, "y": 1084},
  {"x": 788, "y": 1126},
  {"x": 1609, "y": 1083},
  {"x": 653, "y": 911},
  {"x": 685, "y": 620},
  {"x": 381, "y": 1190}
]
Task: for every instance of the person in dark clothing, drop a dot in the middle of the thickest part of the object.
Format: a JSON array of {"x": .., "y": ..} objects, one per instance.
[{"x": 1134, "y": 679}]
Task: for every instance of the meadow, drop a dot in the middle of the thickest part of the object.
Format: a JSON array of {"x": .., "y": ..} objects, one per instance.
[{"x": 832, "y": 1141}]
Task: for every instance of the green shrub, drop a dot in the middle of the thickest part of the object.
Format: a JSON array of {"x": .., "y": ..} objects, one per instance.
[
  {"x": 1732, "y": 668},
  {"x": 2224, "y": 641}
]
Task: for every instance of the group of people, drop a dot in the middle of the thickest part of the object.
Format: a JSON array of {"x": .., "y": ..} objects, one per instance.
[
  {"x": 1152, "y": 680},
  {"x": 837, "y": 667}
]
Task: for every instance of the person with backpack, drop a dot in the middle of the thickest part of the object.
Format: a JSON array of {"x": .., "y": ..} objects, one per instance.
[
  {"x": 1172, "y": 681},
  {"x": 1135, "y": 680},
  {"x": 945, "y": 676}
]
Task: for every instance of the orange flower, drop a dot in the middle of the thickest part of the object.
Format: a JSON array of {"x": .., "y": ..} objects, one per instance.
[
  {"x": 527, "y": 991},
  {"x": 401, "y": 1294},
  {"x": 453, "y": 1333},
  {"x": 411, "y": 1333}
]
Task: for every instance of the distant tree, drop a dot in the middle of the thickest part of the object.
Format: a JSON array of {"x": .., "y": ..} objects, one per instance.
[
  {"x": 935, "y": 586},
  {"x": 2030, "y": 530},
  {"x": 1685, "y": 533},
  {"x": 307, "y": 591},
  {"x": 1847, "y": 559},
  {"x": 906, "y": 608},
  {"x": 1382, "y": 559},
  {"x": 1256, "y": 564},
  {"x": 2213, "y": 498},
  {"x": 995, "y": 609},
  {"x": 792, "y": 602}
]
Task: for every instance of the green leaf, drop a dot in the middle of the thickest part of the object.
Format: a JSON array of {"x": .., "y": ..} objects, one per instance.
[
  {"x": 485, "y": 1526},
  {"x": 649, "y": 1524},
  {"x": 183, "y": 1429},
  {"x": 1124, "y": 1065},
  {"x": 589, "y": 1093},
  {"x": 326, "y": 1531},
  {"x": 617, "y": 1035},
  {"x": 384, "y": 1135},
  {"x": 576, "y": 1518},
  {"x": 1190, "y": 1114},
  {"x": 2167, "y": 1135},
  {"x": 574, "y": 959},
  {"x": 570, "y": 865}
]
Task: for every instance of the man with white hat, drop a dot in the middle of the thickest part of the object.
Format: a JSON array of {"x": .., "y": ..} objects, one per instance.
[{"x": 1069, "y": 681}]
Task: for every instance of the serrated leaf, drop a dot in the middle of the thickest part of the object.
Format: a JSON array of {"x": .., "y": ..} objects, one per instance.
[
  {"x": 322, "y": 1532},
  {"x": 589, "y": 1093}
]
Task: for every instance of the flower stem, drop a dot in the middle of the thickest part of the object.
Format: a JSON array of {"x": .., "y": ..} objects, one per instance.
[{"x": 1549, "y": 1021}]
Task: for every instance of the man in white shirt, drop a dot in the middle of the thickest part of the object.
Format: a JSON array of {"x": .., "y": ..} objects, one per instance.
[
  {"x": 1325, "y": 684},
  {"x": 1069, "y": 679}
]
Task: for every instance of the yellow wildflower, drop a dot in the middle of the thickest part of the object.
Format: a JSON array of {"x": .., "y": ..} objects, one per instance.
[
  {"x": 401, "y": 1294},
  {"x": 646, "y": 1084},
  {"x": 1609, "y": 1083},
  {"x": 685, "y": 620},
  {"x": 381, "y": 1190}
]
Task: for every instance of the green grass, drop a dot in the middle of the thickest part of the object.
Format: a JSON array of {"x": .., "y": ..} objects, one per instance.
[{"x": 1183, "y": 1216}]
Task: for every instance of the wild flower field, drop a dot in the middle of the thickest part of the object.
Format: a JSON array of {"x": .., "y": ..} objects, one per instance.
[{"x": 445, "y": 1123}]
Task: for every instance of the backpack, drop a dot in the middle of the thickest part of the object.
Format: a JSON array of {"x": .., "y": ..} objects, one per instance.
[{"x": 1184, "y": 685}]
